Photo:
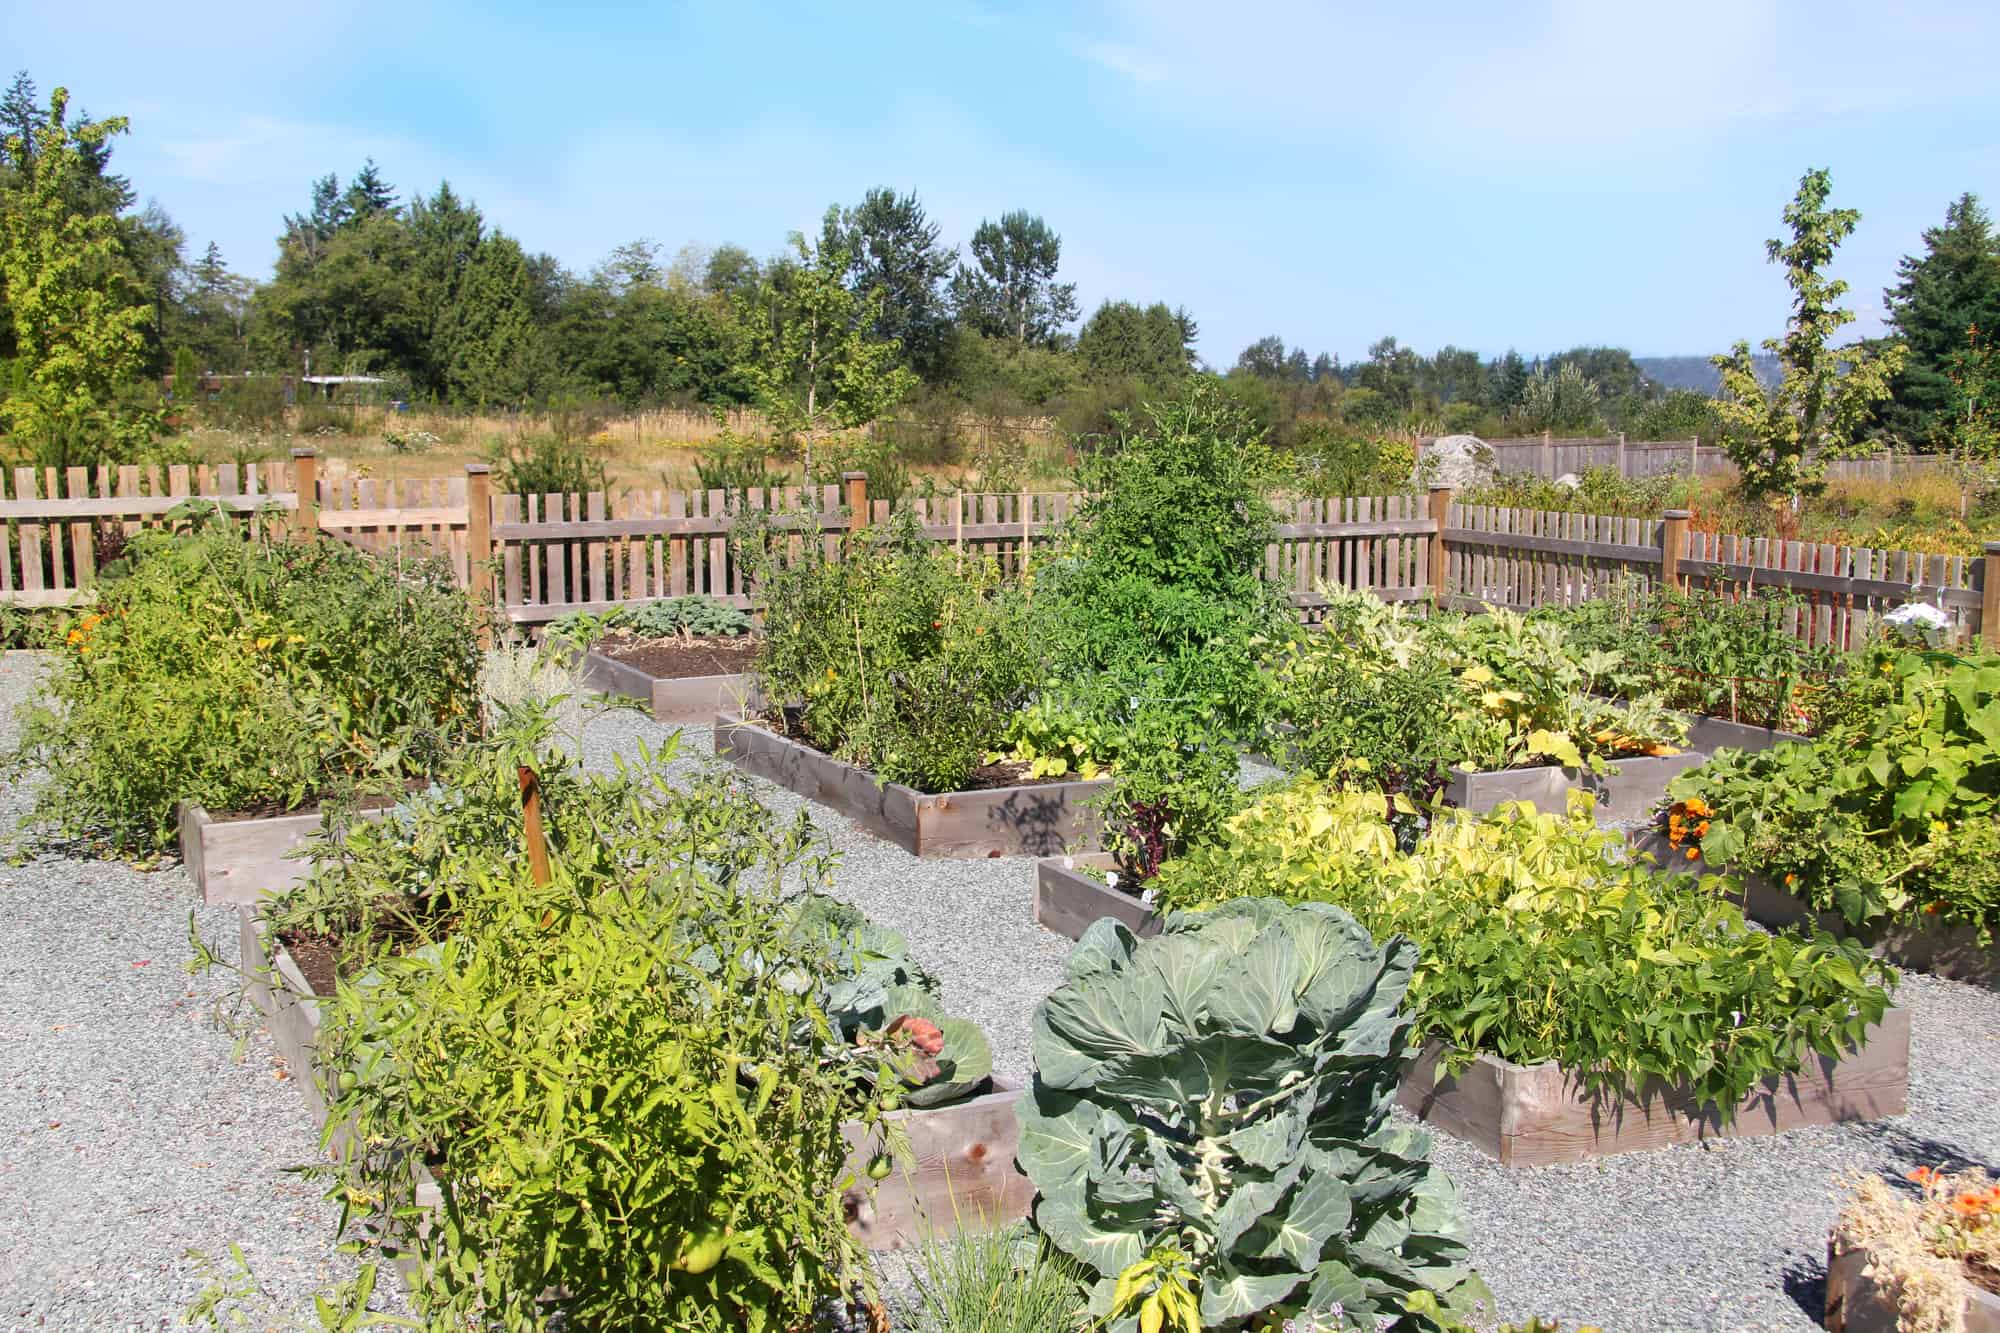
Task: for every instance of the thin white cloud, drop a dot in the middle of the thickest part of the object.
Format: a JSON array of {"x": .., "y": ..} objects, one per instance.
[
  {"x": 1133, "y": 63},
  {"x": 1492, "y": 83}
]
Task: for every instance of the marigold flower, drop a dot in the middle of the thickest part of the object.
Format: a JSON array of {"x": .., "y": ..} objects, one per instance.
[
  {"x": 1923, "y": 1175},
  {"x": 1969, "y": 1204},
  {"x": 1790, "y": 880},
  {"x": 1694, "y": 853}
]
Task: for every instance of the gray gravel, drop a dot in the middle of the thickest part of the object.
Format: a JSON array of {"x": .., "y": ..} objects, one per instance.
[
  {"x": 166, "y": 1138},
  {"x": 131, "y": 1128}
]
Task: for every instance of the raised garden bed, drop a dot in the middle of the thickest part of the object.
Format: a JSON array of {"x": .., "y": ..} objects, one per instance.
[
  {"x": 963, "y": 1176},
  {"x": 1537, "y": 1115},
  {"x": 1637, "y": 785},
  {"x": 1856, "y": 1303},
  {"x": 1036, "y": 820},
  {"x": 678, "y": 682},
  {"x": 1709, "y": 734},
  {"x": 239, "y": 859},
  {"x": 1070, "y": 893},
  {"x": 1953, "y": 952}
]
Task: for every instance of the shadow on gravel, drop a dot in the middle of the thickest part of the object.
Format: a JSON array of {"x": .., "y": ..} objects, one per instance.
[
  {"x": 1902, "y": 1150},
  {"x": 1805, "y": 1283}
]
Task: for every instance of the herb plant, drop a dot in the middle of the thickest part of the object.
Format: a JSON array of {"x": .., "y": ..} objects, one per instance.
[
  {"x": 229, "y": 669},
  {"x": 1539, "y": 941},
  {"x": 1209, "y": 1128}
]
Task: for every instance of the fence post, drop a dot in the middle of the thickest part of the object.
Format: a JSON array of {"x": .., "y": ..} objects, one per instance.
[
  {"x": 1621, "y": 454},
  {"x": 1547, "y": 466},
  {"x": 1673, "y": 540},
  {"x": 1440, "y": 515},
  {"x": 479, "y": 545},
  {"x": 1989, "y": 599},
  {"x": 305, "y": 481},
  {"x": 856, "y": 486}
]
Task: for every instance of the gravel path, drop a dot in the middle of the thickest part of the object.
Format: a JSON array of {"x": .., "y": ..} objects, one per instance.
[
  {"x": 167, "y": 1138},
  {"x": 131, "y": 1128}
]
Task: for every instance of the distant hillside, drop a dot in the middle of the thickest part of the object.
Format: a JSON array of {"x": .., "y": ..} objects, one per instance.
[{"x": 1696, "y": 372}]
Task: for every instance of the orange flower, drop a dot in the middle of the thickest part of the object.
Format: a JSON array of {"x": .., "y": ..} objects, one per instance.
[
  {"x": 1694, "y": 853},
  {"x": 1924, "y": 1175},
  {"x": 1969, "y": 1204},
  {"x": 1932, "y": 909},
  {"x": 1791, "y": 880}
]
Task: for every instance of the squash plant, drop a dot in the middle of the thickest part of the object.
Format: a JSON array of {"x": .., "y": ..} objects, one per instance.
[
  {"x": 1893, "y": 813},
  {"x": 1540, "y": 941},
  {"x": 1209, "y": 1128},
  {"x": 1396, "y": 701}
]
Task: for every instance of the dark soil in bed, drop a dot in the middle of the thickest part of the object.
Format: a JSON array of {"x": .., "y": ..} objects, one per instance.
[
  {"x": 314, "y": 954},
  {"x": 681, "y": 659}
]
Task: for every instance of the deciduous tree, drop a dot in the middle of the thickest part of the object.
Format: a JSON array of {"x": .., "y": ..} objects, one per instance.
[
  {"x": 816, "y": 366},
  {"x": 1785, "y": 435},
  {"x": 1010, "y": 290},
  {"x": 892, "y": 248}
]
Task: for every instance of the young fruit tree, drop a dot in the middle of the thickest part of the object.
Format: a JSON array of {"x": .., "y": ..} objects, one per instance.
[
  {"x": 1781, "y": 438},
  {"x": 815, "y": 368}
]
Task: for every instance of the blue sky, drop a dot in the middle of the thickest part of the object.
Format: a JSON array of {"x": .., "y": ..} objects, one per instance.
[{"x": 1529, "y": 175}]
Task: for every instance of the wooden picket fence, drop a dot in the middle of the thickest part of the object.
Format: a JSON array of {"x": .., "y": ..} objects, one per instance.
[{"x": 539, "y": 557}]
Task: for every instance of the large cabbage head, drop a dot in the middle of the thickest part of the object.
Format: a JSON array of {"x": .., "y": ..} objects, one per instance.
[{"x": 1224, "y": 1090}]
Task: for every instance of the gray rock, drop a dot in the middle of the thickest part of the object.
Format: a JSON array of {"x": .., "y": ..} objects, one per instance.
[{"x": 1457, "y": 461}]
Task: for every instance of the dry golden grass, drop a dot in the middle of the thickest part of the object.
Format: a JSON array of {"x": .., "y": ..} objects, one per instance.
[{"x": 655, "y": 449}]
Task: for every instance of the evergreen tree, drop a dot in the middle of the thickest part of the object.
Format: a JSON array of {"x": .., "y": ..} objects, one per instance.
[
  {"x": 1940, "y": 295},
  {"x": 368, "y": 194},
  {"x": 1122, "y": 340},
  {"x": 488, "y": 344},
  {"x": 78, "y": 318}
]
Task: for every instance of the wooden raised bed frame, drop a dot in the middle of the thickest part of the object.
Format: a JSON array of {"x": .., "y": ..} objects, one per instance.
[
  {"x": 241, "y": 860},
  {"x": 1953, "y": 952},
  {"x": 1536, "y": 1115},
  {"x": 1855, "y": 1303},
  {"x": 679, "y": 700},
  {"x": 1006, "y": 821},
  {"x": 961, "y": 1175},
  {"x": 1635, "y": 787}
]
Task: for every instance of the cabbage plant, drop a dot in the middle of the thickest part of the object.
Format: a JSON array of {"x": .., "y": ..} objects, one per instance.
[{"x": 1220, "y": 1094}]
